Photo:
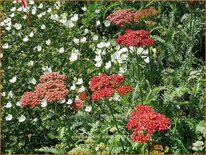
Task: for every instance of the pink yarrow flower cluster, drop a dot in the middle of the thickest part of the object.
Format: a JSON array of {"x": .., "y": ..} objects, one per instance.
[
  {"x": 104, "y": 86},
  {"x": 123, "y": 17},
  {"x": 79, "y": 102},
  {"x": 135, "y": 38},
  {"x": 145, "y": 121},
  {"x": 51, "y": 88}
]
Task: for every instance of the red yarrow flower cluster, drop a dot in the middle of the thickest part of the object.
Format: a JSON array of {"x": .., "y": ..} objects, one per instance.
[
  {"x": 123, "y": 17},
  {"x": 52, "y": 88},
  {"x": 145, "y": 121},
  {"x": 137, "y": 38},
  {"x": 104, "y": 86},
  {"x": 30, "y": 99},
  {"x": 79, "y": 102}
]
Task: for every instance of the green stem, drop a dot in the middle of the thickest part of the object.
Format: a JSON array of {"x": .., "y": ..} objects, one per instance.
[{"x": 115, "y": 122}]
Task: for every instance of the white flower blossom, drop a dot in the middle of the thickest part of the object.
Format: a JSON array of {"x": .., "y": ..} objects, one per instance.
[
  {"x": 9, "y": 117},
  {"x": 40, "y": 5},
  {"x": 39, "y": 48},
  {"x": 98, "y": 64},
  {"x": 75, "y": 17},
  {"x": 73, "y": 87},
  {"x": 13, "y": 9},
  {"x": 76, "y": 40},
  {"x": 8, "y": 105},
  {"x": 86, "y": 31},
  {"x": 49, "y": 10},
  {"x": 69, "y": 24},
  {"x": 62, "y": 101},
  {"x": 97, "y": 11},
  {"x": 81, "y": 89},
  {"x": 33, "y": 10},
  {"x": 79, "y": 81},
  {"x": 88, "y": 108},
  {"x": 31, "y": 34},
  {"x": 95, "y": 37},
  {"x": 84, "y": 8},
  {"x": 44, "y": 103},
  {"x": 26, "y": 39},
  {"x": 98, "y": 58},
  {"x": 48, "y": 42},
  {"x": 108, "y": 65},
  {"x": 43, "y": 27},
  {"x": 33, "y": 81},
  {"x": 69, "y": 101},
  {"x": 83, "y": 40},
  {"x": 13, "y": 80},
  {"x": 17, "y": 26},
  {"x": 54, "y": 17},
  {"x": 47, "y": 69},
  {"x": 98, "y": 51},
  {"x": 5, "y": 46},
  {"x": 61, "y": 50},
  {"x": 30, "y": 63},
  {"x": 98, "y": 23},
  {"x": 74, "y": 56},
  {"x": 107, "y": 23},
  {"x": 22, "y": 118},
  {"x": 18, "y": 103}
]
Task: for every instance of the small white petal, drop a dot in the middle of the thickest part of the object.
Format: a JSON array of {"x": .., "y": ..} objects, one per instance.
[
  {"x": 10, "y": 94},
  {"x": 22, "y": 118},
  {"x": 30, "y": 63},
  {"x": 9, "y": 117},
  {"x": 18, "y": 103},
  {"x": 74, "y": 56},
  {"x": 8, "y": 105},
  {"x": 147, "y": 60},
  {"x": 61, "y": 50},
  {"x": 98, "y": 64},
  {"x": 13, "y": 9},
  {"x": 73, "y": 87},
  {"x": 69, "y": 24},
  {"x": 5, "y": 46},
  {"x": 49, "y": 10},
  {"x": 69, "y": 101},
  {"x": 83, "y": 40},
  {"x": 63, "y": 101},
  {"x": 17, "y": 26},
  {"x": 95, "y": 37},
  {"x": 81, "y": 89},
  {"x": 26, "y": 39},
  {"x": 98, "y": 23},
  {"x": 108, "y": 65},
  {"x": 88, "y": 108},
  {"x": 79, "y": 81},
  {"x": 97, "y": 11},
  {"x": 86, "y": 31},
  {"x": 40, "y": 5},
  {"x": 76, "y": 40},
  {"x": 48, "y": 42},
  {"x": 43, "y": 103},
  {"x": 39, "y": 48},
  {"x": 33, "y": 81},
  {"x": 43, "y": 27},
  {"x": 13, "y": 80},
  {"x": 84, "y": 8},
  {"x": 31, "y": 34},
  {"x": 107, "y": 23},
  {"x": 98, "y": 51},
  {"x": 98, "y": 58},
  {"x": 54, "y": 17},
  {"x": 75, "y": 17}
]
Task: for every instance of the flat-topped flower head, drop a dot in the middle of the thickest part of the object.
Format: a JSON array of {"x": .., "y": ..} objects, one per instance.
[
  {"x": 52, "y": 76},
  {"x": 137, "y": 38},
  {"x": 145, "y": 121},
  {"x": 30, "y": 99},
  {"x": 122, "y": 17}
]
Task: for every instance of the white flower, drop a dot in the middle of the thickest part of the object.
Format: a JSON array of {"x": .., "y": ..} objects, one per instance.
[
  {"x": 39, "y": 48},
  {"x": 147, "y": 60},
  {"x": 8, "y": 105},
  {"x": 98, "y": 58},
  {"x": 108, "y": 65},
  {"x": 123, "y": 69},
  {"x": 107, "y": 23},
  {"x": 33, "y": 10},
  {"x": 33, "y": 81},
  {"x": 43, "y": 27},
  {"x": 31, "y": 2},
  {"x": 19, "y": 9},
  {"x": 107, "y": 44},
  {"x": 30, "y": 63},
  {"x": 61, "y": 50},
  {"x": 69, "y": 24},
  {"x": 98, "y": 64},
  {"x": 76, "y": 40},
  {"x": 3, "y": 94},
  {"x": 17, "y": 26},
  {"x": 13, "y": 80},
  {"x": 13, "y": 9},
  {"x": 12, "y": 15},
  {"x": 83, "y": 40},
  {"x": 40, "y": 15},
  {"x": 97, "y": 11},
  {"x": 74, "y": 56},
  {"x": 88, "y": 108},
  {"x": 40, "y": 5},
  {"x": 47, "y": 69},
  {"x": 100, "y": 45},
  {"x": 81, "y": 89},
  {"x": 22, "y": 118},
  {"x": 48, "y": 42},
  {"x": 95, "y": 37},
  {"x": 35, "y": 119},
  {"x": 5, "y": 46},
  {"x": 198, "y": 145},
  {"x": 79, "y": 81},
  {"x": 9, "y": 117},
  {"x": 49, "y": 10},
  {"x": 24, "y": 17},
  {"x": 84, "y": 8},
  {"x": 43, "y": 103},
  {"x": 75, "y": 17},
  {"x": 18, "y": 103},
  {"x": 1, "y": 55},
  {"x": 98, "y": 51},
  {"x": 98, "y": 23},
  {"x": 54, "y": 17},
  {"x": 26, "y": 39},
  {"x": 10, "y": 94},
  {"x": 31, "y": 34},
  {"x": 8, "y": 28},
  {"x": 63, "y": 101},
  {"x": 69, "y": 101},
  {"x": 73, "y": 87},
  {"x": 86, "y": 31}
]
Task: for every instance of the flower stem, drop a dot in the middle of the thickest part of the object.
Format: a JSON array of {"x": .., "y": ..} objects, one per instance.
[{"x": 115, "y": 122}]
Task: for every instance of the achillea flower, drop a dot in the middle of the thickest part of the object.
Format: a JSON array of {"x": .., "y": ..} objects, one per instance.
[
  {"x": 105, "y": 93},
  {"x": 30, "y": 99},
  {"x": 123, "y": 90},
  {"x": 122, "y": 17},
  {"x": 52, "y": 76},
  {"x": 52, "y": 91},
  {"x": 83, "y": 96},
  {"x": 145, "y": 13},
  {"x": 145, "y": 121},
  {"x": 104, "y": 86},
  {"x": 77, "y": 105},
  {"x": 135, "y": 38}
]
